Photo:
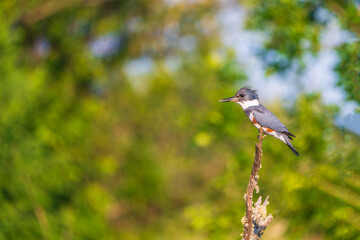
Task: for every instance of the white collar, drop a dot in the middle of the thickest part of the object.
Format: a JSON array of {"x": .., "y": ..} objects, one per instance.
[{"x": 250, "y": 103}]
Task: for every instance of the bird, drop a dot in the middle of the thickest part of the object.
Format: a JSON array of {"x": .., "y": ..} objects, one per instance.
[{"x": 261, "y": 117}]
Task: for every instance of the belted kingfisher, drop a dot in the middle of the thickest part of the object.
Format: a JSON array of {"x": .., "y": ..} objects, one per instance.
[{"x": 261, "y": 117}]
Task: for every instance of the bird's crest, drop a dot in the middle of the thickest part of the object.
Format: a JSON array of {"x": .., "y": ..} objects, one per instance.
[{"x": 248, "y": 91}]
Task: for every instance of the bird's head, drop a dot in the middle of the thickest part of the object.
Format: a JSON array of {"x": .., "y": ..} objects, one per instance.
[
  {"x": 245, "y": 97},
  {"x": 244, "y": 94}
]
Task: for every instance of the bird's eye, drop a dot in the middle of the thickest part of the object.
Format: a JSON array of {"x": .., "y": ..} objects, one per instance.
[{"x": 242, "y": 95}]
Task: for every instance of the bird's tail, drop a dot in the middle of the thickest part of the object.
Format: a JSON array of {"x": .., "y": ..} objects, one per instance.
[{"x": 288, "y": 143}]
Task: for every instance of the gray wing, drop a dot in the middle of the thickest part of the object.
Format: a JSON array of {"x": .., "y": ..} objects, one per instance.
[{"x": 267, "y": 119}]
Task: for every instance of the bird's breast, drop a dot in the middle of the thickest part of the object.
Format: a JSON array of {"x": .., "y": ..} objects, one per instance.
[
  {"x": 267, "y": 131},
  {"x": 253, "y": 120}
]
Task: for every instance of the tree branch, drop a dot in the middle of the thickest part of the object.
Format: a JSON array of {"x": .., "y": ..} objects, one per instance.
[
  {"x": 342, "y": 12},
  {"x": 256, "y": 219},
  {"x": 50, "y": 8}
]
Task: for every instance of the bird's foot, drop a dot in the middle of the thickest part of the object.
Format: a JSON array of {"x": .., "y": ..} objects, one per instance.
[
  {"x": 261, "y": 133},
  {"x": 262, "y": 137}
]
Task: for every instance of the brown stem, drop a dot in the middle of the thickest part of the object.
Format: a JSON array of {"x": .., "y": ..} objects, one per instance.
[
  {"x": 50, "y": 8},
  {"x": 338, "y": 7},
  {"x": 251, "y": 186}
]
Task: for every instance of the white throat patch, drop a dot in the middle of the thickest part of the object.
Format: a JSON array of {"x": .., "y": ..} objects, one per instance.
[{"x": 247, "y": 104}]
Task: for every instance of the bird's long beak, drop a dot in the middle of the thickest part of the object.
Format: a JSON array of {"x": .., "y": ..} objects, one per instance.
[{"x": 230, "y": 99}]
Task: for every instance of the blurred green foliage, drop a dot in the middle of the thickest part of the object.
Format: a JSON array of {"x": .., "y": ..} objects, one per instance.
[
  {"x": 293, "y": 29},
  {"x": 96, "y": 147}
]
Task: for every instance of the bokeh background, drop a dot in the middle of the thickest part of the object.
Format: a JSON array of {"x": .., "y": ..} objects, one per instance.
[{"x": 110, "y": 125}]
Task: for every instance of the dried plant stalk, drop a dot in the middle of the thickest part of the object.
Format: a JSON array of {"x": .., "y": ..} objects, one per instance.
[{"x": 256, "y": 219}]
